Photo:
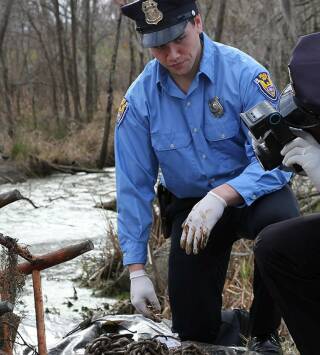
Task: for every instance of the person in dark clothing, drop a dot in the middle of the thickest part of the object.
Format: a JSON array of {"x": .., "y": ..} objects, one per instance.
[{"x": 287, "y": 253}]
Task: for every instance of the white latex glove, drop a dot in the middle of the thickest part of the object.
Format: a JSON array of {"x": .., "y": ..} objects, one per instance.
[
  {"x": 200, "y": 221},
  {"x": 142, "y": 294},
  {"x": 304, "y": 151}
]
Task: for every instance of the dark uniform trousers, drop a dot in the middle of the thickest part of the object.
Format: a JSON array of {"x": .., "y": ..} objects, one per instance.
[
  {"x": 288, "y": 256},
  {"x": 196, "y": 281}
]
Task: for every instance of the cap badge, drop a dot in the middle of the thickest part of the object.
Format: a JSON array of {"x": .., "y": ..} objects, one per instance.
[
  {"x": 215, "y": 107},
  {"x": 152, "y": 13}
]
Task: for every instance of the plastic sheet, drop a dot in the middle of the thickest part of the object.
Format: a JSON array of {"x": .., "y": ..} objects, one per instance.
[{"x": 75, "y": 342}]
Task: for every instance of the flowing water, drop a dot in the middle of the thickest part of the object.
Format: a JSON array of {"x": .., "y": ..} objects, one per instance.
[{"x": 66, "y": 216}]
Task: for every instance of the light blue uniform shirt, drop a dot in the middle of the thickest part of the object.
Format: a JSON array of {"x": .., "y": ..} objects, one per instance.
[{"x": 196, "y": 151}]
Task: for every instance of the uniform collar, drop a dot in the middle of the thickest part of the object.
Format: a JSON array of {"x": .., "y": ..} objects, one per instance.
[
  {"x": 206, "y": 63},
  {"x": 207, "y": 60}
]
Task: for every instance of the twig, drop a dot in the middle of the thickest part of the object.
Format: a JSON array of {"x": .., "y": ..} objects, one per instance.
[{"x": 23, "y": 340}]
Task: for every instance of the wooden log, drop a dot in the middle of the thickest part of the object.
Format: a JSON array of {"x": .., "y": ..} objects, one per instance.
[
  {"x": 57, "y": 257},
  {"x": 12, "y": 196},
  {"x": 44, "y": 167}
]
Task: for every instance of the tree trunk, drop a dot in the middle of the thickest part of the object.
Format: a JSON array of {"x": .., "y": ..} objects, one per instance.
[
  {"x": 75, "y": 81},
  {"x": 288, "y": 14},
  {"x": 88, "y": 48},
  {"x": 93, "y": 57},
  {"x": 55, "y": 110},
  {"x": 4, "y": 21},
  {"x": 3, "y": 29},
  {"x": 59, "y": 29},
  {"x": 7, "y": 98},
  {"x": 133, "y": 67},
  {"x": 220, "y": 20},
  {"x": 105, "y": 140}
]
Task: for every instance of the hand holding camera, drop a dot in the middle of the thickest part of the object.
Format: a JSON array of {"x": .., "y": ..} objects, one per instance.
[
  {"x": 304, "y": 151},
  {"x": 299, "y": 107}
]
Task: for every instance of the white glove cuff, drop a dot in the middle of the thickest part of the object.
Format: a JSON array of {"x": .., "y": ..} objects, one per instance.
[
  {"x": 137, "y": 273},
  {"x": 222, "y": 200}
]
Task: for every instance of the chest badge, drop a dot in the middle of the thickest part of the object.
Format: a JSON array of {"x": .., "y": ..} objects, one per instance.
[
  {"x": 152, "y": 13},
  {"x": 216, "y": 107}
]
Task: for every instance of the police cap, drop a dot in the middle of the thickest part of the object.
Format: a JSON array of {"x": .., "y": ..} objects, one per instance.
[
  {"x": 160, "y": 21},
  {"x": 305, "y": 72}
]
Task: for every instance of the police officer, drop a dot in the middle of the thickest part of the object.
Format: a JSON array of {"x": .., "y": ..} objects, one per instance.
[
  {"x": 182, "y": 115},
  {"x": 287, "y": 252}
]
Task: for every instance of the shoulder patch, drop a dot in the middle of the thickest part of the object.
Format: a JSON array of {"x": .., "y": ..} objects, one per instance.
[
  {"x": 266, "y": 86},
  {"x": 122, "y": 111}
]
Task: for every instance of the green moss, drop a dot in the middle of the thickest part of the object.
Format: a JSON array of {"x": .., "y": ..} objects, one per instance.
[{"x": 20, "y": 150}]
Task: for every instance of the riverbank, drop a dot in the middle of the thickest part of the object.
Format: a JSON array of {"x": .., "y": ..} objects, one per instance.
[{"x": 11, "y": 172}]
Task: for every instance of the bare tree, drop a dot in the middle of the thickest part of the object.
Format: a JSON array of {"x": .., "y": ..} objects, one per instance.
[
  {"x": 48, "y": 58},
  {"x": 220, "y": 20},
  {"x": 133, "y": 67},
  {"x": 75, "y": 78},
  {"x": 106, "y": 133},
  {"x": 88, "y": 51},
  {"x": 3, "y": 30},
  {"x": 59, "y": 29}
]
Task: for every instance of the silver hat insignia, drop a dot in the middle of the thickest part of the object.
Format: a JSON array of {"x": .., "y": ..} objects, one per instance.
[
  {"x": 152, "y": 13},
  {"x": 215, "y": 107}
]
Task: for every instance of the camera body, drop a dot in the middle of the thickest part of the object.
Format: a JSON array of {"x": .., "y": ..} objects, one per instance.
[
  {"x": 299, "y": 106},
  {"x": 271, "y": 128}
]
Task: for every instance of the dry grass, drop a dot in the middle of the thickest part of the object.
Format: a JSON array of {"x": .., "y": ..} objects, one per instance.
[
  {"x": 78, "y": 144},
  {"x": 81, "y": 146},
  {"x": 238, "y": 287}
]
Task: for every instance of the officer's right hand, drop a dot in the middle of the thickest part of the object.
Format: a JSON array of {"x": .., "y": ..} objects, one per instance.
[{"x": 142, "y": 294}]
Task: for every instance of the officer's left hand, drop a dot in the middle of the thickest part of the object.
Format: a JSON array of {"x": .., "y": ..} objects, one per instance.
[
  {"x": 304, "y": 151},
  {"x": 200, "y": 221}
]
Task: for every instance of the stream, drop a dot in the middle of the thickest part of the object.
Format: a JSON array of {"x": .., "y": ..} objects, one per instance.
[{"x": 66, "y": 216}]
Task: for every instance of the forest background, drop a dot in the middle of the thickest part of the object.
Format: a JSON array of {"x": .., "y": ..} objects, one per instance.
[{"x": 65, "y": 65}]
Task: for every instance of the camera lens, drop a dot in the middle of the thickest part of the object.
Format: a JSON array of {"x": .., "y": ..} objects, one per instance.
[{"x": 275, "y": 118}]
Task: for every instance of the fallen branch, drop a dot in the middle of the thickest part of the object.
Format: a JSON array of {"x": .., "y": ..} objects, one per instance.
[
  {"x": 12, "y": 196},
  {"x": 43, "y": 167},
  {"x": 109, "y": 206}
]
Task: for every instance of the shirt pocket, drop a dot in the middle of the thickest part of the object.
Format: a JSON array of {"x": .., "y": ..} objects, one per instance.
[
  {"x": 170, "y": 141},
  {"x": 220, "y": 129}
]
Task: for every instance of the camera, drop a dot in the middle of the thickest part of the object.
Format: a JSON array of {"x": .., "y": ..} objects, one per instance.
[
  {"x": 299, "y": 106},
  {"x": 271, "y": 127}
]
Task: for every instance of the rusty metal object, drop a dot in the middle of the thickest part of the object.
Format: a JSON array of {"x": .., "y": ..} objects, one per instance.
[
  {"x": 12, "y": 245},
  {"x": 57, "y": 257},
  {"x": 188, "y": 350},
  {"x": 7, "y": 346},
  {"x": 34, "y": 265},
  {"x": 109, "y": 344},
  {"x": 6, "y": 307},
  {"x": 123, "y": 344},
  {"x": 38, "y": 303},
  {"x": 150, "y": 347}
]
